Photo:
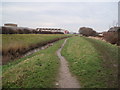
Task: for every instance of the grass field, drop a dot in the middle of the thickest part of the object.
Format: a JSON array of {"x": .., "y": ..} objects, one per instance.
[
  {"x": 13, "y": 40},
  {"x": 36, "y": 71},
  {"x": 14, "y": 45},
  {"x": 94, "y": 62}
]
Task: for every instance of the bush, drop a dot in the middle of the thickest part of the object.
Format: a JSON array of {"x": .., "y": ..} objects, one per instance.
[
  {"x": 9, "y": 30},
  {"x": 22, "y": 30},
  {"x": 15, "y": 30},
  {"x": 112, "y": 37},
  {"x": 87, "y": 31},
  {"x": 26, "y": 31}
]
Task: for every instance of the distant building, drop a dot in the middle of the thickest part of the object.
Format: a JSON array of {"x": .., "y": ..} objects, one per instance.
[
  {"x": 113, "y": 29},
  {"x": 52, "y": 30},
  {"x": 100, "y": 34},
  {"x": 66, "y": 32},
  {"x": 10, "y": 25}
]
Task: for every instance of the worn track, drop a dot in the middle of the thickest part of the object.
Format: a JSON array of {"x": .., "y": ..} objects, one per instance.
[{"x": 65, "y": 79}]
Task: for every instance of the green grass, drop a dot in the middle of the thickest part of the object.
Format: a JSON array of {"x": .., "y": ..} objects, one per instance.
[
  {"x": 92, "y": 66},
  {"x": 36, "y": 71},
  {"x": 25, "y": 40},
  {"x": 109, "y": 54},
  {"x": 94, "y": 62}
]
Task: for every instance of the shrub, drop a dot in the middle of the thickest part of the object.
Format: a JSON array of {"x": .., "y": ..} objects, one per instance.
[
  {"x": 111, "y": 37},
  {"x": 87, "y": 31}
]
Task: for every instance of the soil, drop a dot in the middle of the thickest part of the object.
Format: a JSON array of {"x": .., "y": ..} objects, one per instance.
[{"x": 65, "y": 78}]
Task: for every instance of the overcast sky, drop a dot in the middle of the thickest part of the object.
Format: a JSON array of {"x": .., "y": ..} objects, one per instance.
[{"x": 65, "y": 15}]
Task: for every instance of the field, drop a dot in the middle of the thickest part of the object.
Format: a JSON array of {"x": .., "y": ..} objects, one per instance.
[
  {"x": 15, "y": 45},
  {"x": 94, "y": 62},
  {"x": 36, "y": 71}
]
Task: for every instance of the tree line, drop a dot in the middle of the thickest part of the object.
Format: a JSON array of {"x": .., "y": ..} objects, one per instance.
[
  {"x": 112, "y": 35},
  {"x": 21, "y": 30}
]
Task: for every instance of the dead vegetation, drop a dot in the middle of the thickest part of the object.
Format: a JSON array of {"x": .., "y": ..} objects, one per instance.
[{"x": 17, "y": 50}]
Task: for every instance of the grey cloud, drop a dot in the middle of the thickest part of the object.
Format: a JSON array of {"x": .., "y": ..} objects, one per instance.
[{"x": 64, "y": 15}]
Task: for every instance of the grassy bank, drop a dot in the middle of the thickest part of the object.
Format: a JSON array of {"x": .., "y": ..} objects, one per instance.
[
  {"x": 94, "y": 62},
  {"x": 109, "y": 54},
  {"x": 15, "y": 45},
  {"x": 36, "y": 71}
]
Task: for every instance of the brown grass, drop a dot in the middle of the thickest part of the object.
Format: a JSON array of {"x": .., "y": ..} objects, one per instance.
[{"x": 16, "y": 51}]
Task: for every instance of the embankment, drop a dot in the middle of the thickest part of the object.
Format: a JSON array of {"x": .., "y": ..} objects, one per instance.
[{"x": 16, "y": 49}]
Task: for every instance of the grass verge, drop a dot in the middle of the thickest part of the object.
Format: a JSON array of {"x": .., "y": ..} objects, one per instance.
[
  {"x": 93, "y": 67},
  {"x": 36, "y": 71},
  {"x": 109, "y": 54}
]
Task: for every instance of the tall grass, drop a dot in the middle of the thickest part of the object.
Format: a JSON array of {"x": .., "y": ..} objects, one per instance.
[{"x": 15, "y": 45}]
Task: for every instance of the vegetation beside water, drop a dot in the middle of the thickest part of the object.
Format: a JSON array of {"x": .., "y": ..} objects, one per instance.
[
  {"x": 15, "y": 45},
  {"x": 36, "y": 71},
  {"x": 94, "y": 62}
]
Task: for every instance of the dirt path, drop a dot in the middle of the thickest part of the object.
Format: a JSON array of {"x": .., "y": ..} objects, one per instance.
[{"x": 66, "y": 79}]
